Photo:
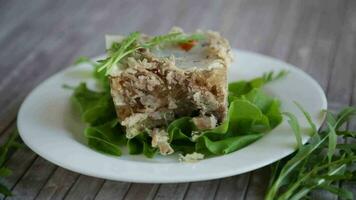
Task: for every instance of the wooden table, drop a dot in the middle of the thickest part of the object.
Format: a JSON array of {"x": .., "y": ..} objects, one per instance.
[{"x": 40, "y": 37}]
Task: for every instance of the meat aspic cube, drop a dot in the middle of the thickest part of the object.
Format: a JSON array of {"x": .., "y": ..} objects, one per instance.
[{"x": 152, "y": 87}]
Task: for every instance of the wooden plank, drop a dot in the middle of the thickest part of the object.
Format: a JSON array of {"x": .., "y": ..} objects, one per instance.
[
  {"x": 351, "y": 185},
  {"x": 85, "y": 188},
  {"x": 47, "y": 167},
  {"x": 34, "y": 60},
  {"x": 258, "y": 184},
  {"x": 234, "y": 187},
  {"x": 57, "y": 47},
  {"x": 228, "y": 23},
  {"x": 4, "y": 135},
  {"x": 305, "y": 34},
  {"x": 205, "y": 11},
  {"x": 113, "y": 190},
  {"x": 39, "y": 61},
  {"x": 32, "y": 182},
  {"x": 58, "y": 184},
  {"x": 254, "y": 26},
  {"x": 288, "y": 19},
  {"x": 202, "y": 190},
  {"x": 19, "y": 162},
  {"x": 323, "y": 56},
  {"x": 174, "y": 191},
  {"x": 16, "y": 14},
  {"x": 21, "y": 42},
  {"x": 323, "y": 50},
  {"x": 280, "y": 31},
  {"x": 142, "y": 191},
  {"x": 340, "y": 84},
  {"x": 317, "y": 59},
  {"x": 349, "y": 35}
]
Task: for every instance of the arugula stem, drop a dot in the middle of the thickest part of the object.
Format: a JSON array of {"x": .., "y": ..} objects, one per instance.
[{"x": 290, "y": 191}]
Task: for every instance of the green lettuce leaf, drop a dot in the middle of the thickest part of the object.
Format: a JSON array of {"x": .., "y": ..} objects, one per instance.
[
  {"x": 230, "y": 144},
  {"x": 180, "y": 132},
  {"x": 103, "y": 133},
  {"x": 252, "y": 113},
  {"x": 106, "y": 138},
  {"x": 141, "y": 144}
]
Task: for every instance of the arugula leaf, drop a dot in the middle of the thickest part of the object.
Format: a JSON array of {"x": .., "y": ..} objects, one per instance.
[
  {"x": 119, "y": 51},
  {"x": 82, "y": 60},
  {"x": 106, "y": 138},
  {"x": 9, "y": 144},
  {"x": 141, "y": 144},
  {"x": 294, "y": 124},
  {"x": 345, "y": 115},
  {"x": 332, "y": 141},
  {"x": 131, "y": 43},
  {"x": 340, "y": 192},
  {"x": 104, "y": 133},
  {"x": 162, "y": 38},
  {"x": 175, "y": 37},
  {"x": 271, "y": 76},
  {"x": 4, "y": 190},
  {"x": 135, "y": 146},
  {"x": 310, "y": 168},
  {"x": 85, "y": 98},
  {"x": 238, "y": 88},
  {"x": 4, "y": 149},
  {"x": 308, "y": 117},
  {"x": 95, "y": 107},
  {"x": 99, "y": 144},
  {"x": 4, "y": 171}
]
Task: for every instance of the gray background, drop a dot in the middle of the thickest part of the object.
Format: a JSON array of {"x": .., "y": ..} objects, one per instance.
[{"x": 40, "y": 37}]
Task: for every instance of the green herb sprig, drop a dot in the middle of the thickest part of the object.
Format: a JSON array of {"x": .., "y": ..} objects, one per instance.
[
  {"x": 11, "y": 143},
  {"x": 310, "y": 168},
  {"x": 131, "y": 43}
]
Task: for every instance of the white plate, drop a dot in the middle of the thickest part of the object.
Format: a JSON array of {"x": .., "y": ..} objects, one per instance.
[{"x": 49, "y": 127}]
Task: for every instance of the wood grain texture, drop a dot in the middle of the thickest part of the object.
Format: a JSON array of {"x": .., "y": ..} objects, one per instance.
[
  {"x": 234, "y": 187},
  {"x": 113, "y": 190},
  {"x": 20, "y": 162},
  {"x": 140, "y": 191},
  {"x": 33, "y": 180},
  {"x": 58, "y": 185},
  {"x": 346, "y": 47},
  {"x": 174, "y": 191},
  {"x": 323, "y": 49},
  {"x": 305, "y": 34},
  {"x": 85, "y": 188},
  {"x": 258, "y": 184},
  {"x": 39, "y": 38},
  {"x": 202, "y": 190}
]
